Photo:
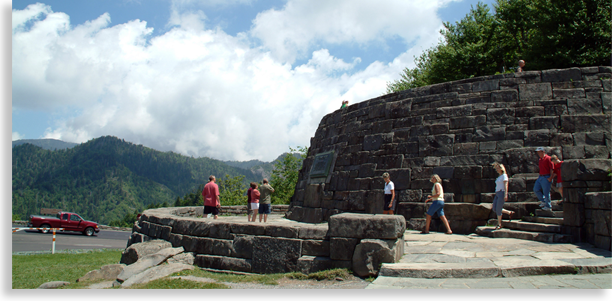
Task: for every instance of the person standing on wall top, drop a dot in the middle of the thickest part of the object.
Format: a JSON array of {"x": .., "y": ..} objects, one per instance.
[
  {"x": 521, "y": 66},
  {"x": 249, "y": 210},
  {"x": 389, "y": 206},
  {"x": 437, "y": 205},
  {"x": 344, "y": 104},
  {"x": 254, "y": 201},
  {"x": 210, "y": 193},
  {"x": 542, "y": 185},
  {"x": 265, "y": 203}
]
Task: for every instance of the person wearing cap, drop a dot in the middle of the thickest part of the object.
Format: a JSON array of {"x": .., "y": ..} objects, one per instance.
[{"x": 542, "y": 185}]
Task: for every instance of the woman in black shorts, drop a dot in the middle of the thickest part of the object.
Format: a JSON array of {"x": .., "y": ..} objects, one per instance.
[{"x": 389, "y": 195}]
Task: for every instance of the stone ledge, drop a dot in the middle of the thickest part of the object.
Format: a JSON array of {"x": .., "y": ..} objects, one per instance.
[{"x": 278, "y": 246}]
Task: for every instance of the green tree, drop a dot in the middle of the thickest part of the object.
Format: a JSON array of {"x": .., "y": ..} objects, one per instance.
[
  {"x": 285, "y": 175},
  {"x": 547, "y": 34},
  {"x": 468, "y": 49},
  {"x": 232, "y": 190},
  {"x": 558, "y": 33}
]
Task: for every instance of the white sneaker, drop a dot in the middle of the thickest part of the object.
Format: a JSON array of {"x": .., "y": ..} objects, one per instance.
[
  {"x": 542, "y": 205},
  {"x": 547, "y": 208}
]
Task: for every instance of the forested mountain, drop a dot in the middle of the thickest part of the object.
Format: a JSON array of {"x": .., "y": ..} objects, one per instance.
[
  {"x": 259, "y": 168},
  {"x": 105, "y": 178},
  {"x": 50, "y": 144}
]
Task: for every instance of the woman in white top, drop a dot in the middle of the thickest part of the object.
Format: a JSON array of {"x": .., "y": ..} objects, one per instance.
[
  {"x": 389, "y": 195},
  {"x": 501, "y": 194},
  {"x": 437, "y": 205}
]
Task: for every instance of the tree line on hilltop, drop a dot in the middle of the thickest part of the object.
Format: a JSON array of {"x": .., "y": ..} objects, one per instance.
[{"x": 546, "y": 34}]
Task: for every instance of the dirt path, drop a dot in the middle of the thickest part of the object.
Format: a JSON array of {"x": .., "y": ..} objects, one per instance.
[{"x": 350, "y": 282}]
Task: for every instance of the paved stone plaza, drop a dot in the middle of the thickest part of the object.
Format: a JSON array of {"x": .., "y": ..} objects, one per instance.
[
  {"x": 441, "y": 261},
  {"x": 586, "y": 281}
]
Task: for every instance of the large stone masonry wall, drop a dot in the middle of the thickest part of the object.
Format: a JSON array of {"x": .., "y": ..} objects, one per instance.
[
  {"x": 587, "y": 215},
  {"x": 456, "y": 130},
  {"x": 360, "y": 242}
]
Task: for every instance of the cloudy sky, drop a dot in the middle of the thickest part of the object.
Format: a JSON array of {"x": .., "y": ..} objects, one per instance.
[{"x": 226, "y": 79}]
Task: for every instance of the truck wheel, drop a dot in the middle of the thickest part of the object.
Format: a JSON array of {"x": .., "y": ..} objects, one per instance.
[
  {"x": 46, "y": 228},
  {"x": 89, "y": 231}
]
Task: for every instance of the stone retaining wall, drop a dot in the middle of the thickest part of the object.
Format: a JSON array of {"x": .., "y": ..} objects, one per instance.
[
  {"x": 355, "y": 241},
  {"x": 587, "y": 215},
  {"x": 456, "y": 130}
]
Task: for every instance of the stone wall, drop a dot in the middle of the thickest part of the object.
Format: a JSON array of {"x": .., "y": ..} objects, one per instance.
[
  {"x": 358, "y": 242},
  {"x": 456, "y": 130},
  {"x": 586, "y": 212}
]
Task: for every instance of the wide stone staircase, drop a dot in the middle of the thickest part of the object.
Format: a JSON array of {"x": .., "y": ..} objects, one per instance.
[{"x": 543, "y": 226}]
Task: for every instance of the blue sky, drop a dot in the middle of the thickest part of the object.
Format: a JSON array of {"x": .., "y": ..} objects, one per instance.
[{"x": 231, "y": 80}]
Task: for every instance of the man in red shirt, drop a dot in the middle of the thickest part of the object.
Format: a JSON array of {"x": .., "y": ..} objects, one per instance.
[
  {"x": 211, "y": 197},
  {"x": 544, "y": 181}
]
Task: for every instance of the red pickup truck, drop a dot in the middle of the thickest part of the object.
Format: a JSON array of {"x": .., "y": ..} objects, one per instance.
[{"x": 67, "y": 220}]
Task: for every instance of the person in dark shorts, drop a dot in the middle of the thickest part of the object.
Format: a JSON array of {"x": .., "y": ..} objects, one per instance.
[
  {"x": 210, "y": 193},
  {"x": 265, "y": 200},
  {"x": 390, "y": 202}
]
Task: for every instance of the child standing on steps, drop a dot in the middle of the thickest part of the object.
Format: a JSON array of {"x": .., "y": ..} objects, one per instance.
[{"x": 557, "y": 169}]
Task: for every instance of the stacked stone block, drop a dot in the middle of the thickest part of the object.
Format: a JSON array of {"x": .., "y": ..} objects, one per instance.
[
  {"x": 456, "y": 130},
  {"x": 586, "y": 209},
  {"x": 354, "y": 241}
]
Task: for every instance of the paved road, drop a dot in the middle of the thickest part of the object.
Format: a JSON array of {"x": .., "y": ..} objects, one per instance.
[{"x": 28, "y": 241}]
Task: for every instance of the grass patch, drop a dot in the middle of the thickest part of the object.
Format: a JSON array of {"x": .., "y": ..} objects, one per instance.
[
  {"x": 321, "y": 275},
  {"x": 30, "y": 271}
]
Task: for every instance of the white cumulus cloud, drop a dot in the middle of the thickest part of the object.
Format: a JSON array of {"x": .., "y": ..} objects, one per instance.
[{"x": 199, "y": 91}]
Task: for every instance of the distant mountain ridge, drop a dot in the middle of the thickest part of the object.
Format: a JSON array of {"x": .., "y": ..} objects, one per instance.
[
  {"x": 259, "y": 168},
  {"x": 107, "y": 177},
  {"x": 49, "y": 144}
]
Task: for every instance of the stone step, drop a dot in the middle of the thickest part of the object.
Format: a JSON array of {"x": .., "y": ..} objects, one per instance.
[
  {"x": 441, "y": 270},
  {"x": 531, "y": 227},
  {"x": 546, "y": 213},
  {"x": 544, "y": 220},
  {"x": 511, "y": 267},
  {"x": 535, "y": 236}
]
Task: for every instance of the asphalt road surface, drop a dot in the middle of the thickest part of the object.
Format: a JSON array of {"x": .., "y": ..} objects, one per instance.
[{"x": 32, "y": 240}]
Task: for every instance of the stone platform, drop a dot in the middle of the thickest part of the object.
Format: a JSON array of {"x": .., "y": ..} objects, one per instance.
[
  {"x": 437, "y": 255},
  {"x": 360, "y": 242}
]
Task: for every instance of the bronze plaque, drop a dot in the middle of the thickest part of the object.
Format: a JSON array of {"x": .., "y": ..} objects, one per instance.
[{"x": 321, "y": 164}]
